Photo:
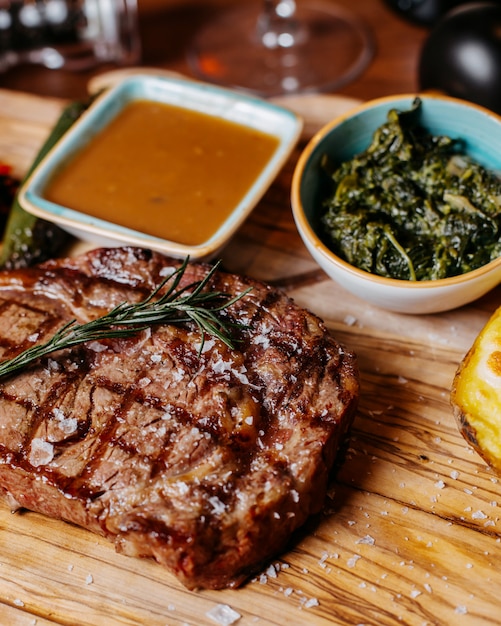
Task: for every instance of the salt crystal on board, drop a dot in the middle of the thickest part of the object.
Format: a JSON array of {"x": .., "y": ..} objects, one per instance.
[
  {"x": 350, "y": 320},
  {"x": 271, "y": 571},
  {"x": 223, "y": 615},
  {"x": 353, "y": 561},
  {"x": 370, "y": 541}
]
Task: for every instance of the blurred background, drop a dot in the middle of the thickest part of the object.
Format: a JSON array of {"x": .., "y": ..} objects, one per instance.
[{"x": 400, "y": 30}]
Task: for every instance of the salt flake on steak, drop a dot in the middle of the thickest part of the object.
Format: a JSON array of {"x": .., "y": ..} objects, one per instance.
[{"x": 41, "y": 452}]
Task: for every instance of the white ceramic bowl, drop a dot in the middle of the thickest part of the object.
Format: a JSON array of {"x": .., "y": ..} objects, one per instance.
[
  {"x": 350, "y": 134},
  {"x": 214, "y": 101}
]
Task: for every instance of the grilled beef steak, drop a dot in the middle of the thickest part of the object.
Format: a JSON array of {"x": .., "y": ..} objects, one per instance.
[{"x": 203, "y": 459}]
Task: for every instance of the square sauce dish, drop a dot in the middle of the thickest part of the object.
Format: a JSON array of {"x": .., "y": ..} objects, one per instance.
[{"x": 164, "y": 163}]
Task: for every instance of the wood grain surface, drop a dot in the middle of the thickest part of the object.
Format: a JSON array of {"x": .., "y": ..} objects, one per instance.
[{"x": 411, "y": 530}]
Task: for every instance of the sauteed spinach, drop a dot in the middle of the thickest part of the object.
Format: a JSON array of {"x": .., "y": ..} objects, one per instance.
[{"x": 413, "y": 206}]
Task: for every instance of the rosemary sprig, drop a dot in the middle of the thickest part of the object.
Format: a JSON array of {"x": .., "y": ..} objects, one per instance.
[{"x": 174, "y": 306}]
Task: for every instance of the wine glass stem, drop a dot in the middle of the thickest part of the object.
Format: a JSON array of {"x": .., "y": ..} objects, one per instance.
[{"x": 277, "y": 26}]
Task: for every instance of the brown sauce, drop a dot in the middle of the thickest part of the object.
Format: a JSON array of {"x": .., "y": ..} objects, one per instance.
[{"x": 164, "y": 170}]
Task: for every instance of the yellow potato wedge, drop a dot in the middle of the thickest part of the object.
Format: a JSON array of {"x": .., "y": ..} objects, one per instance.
[{"x": 476, "y": 393}]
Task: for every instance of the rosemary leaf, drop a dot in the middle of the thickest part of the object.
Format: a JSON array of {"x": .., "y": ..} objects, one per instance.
[{"x": 174, "y": 306}]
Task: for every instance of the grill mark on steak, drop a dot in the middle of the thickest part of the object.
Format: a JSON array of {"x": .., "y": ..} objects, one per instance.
[
  {"x": 204, "y": 459},
  {"x": 16, "y": 341}
]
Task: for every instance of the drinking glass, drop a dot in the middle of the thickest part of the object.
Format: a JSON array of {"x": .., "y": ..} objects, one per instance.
[
  {"x": 282, "y": 47},
  {"x": 71, "y": 34}
]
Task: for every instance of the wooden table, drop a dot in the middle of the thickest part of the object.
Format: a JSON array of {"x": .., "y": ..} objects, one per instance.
[{"x": 411, "y": 530}]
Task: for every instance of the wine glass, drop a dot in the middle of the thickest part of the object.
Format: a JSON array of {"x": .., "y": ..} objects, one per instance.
[{"x": 282, "y": 48}]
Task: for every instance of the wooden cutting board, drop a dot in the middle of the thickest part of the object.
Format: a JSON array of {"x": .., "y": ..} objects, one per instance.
[{"x": 411, "y": 531}]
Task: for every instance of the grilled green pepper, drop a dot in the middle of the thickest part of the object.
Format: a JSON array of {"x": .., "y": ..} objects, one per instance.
[{"x": 28, "y": 239}]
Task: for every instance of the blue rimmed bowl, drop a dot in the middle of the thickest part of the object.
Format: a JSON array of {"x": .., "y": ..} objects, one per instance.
[
  {"x": 350, "y": 134},
  {"x": 213, "y": 101}
]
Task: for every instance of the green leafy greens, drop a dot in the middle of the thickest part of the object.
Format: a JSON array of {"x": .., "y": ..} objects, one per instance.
[
  {"x": 176, "y": 304},
  {"x": 413, "y": 206}
]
